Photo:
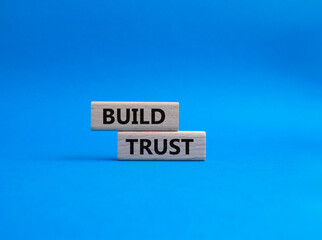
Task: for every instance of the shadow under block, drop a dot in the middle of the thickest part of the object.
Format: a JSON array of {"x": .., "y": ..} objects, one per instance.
[
  {"x": 136, "y": 116},
  {"x": 180, "y": 145}
]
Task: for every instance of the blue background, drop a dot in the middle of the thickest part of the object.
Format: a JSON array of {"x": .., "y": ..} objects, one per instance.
[{"x": 249, "y": 73}]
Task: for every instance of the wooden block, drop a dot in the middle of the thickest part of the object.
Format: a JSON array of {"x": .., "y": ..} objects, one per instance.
[
  {"x": 138, "y": 116},
  {"x": 161, "y": 145}
]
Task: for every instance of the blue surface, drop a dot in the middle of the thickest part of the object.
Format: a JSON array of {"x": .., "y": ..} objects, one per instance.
[{"x": 246, "y": 72}]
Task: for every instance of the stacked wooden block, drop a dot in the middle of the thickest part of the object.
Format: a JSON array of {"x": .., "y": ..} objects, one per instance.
[{"x": 148, "y": 131}]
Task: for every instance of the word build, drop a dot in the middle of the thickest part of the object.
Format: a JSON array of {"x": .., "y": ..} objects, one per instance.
[
  {"x": 161, "y": 145},
  {"x": 138, "y": 116}
]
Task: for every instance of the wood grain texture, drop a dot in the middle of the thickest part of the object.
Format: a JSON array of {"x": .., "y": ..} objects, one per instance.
[
  {"x": 140, "y": 116},
  {"x": 155, "y": 141}
]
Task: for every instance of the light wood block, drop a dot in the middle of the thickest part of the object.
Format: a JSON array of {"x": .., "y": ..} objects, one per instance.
[
  {"x": 161, "y": 145},
  {"x": 138, "y": 116}
]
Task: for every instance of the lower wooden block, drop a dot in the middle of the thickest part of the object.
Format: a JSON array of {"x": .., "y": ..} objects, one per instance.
[{"x": 161, "y": 145}]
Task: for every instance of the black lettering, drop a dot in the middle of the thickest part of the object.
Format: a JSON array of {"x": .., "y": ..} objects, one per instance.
[
  {"x": 156, "y": 149},
  {"x": 135, "y": 116},
  {"x": 127, "y": 116},
  {"x": 131, "y": 141},
  {"x": 175, "y": 147},
  {"x": 145, "y": 144},
  {"x": 187, "y": 141},
  {"x": 110, "y": 116},
  {"x": 142, "y": 117},
  {"x": 153, "y": 111}
]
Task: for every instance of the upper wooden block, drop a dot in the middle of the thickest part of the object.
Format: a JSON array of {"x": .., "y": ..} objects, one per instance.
[{"x": 136, "y": 116}]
